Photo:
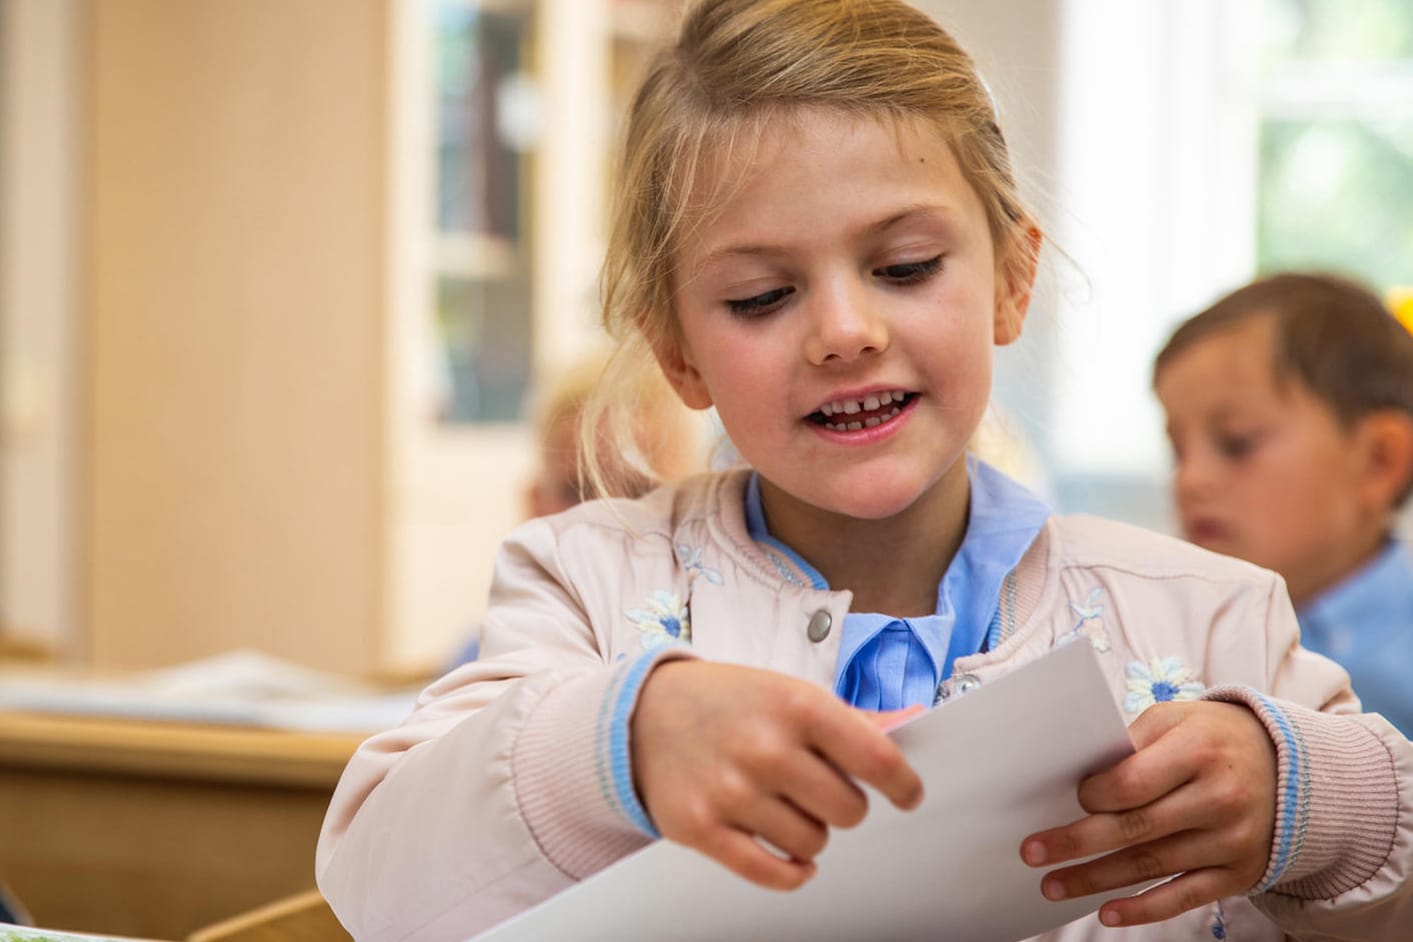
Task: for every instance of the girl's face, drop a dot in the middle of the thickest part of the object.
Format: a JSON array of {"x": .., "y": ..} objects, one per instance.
[{"x": 839, "y": 311}]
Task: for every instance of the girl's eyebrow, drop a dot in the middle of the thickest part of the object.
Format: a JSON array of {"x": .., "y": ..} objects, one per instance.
[{"x": 945, "y": 216}]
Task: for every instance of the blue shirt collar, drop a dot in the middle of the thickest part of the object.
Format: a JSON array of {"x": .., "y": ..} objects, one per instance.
[
  {"x": 1003, "y": 521},
  {"x": 1003, "y": 518}
]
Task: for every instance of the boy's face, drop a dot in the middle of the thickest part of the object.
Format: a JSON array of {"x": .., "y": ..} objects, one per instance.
[{"x": 1263, "y": 470}]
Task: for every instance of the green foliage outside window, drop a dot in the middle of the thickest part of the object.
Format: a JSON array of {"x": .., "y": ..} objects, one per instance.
[{"x": 1336, "y": 170}]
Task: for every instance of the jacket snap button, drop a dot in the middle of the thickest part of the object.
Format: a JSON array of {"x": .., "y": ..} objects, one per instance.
[
  {"x": 967, "y": 683},
  {"x": 820, "y": 623}
]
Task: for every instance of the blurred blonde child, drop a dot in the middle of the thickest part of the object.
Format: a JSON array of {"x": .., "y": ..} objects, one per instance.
[
  {"x": 818, "y": 234},
  {"x": 660, "y": 442},
  {"x": 663, "y": 441},
  {"x": 1290, "y": 410}
]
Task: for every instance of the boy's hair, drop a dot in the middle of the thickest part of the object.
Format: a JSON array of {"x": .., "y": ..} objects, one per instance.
[
  {"x": 1333, "y": 335},
  {"x": 741, "y": 68}
]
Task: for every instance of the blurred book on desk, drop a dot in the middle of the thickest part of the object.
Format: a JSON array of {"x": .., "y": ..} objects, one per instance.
[
  {"x": 9, "y": 933},
  {"x": 243, "y": 688}
]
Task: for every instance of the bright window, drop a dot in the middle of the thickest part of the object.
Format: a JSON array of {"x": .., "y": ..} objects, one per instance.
[{"x": 1336, "y": 158}]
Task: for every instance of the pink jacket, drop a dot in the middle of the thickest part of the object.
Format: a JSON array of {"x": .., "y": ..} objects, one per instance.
[{"x": 491, "y": 796}]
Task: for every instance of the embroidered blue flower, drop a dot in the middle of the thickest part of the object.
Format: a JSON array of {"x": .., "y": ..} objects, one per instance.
[
  {"x": 692, "y": 562},
  {"x": 1160, "y": 680},
  {"x": 665, "y": 621},
  {"x": 1091, "y": 620},
  {"x": 1219, "y": 922}
]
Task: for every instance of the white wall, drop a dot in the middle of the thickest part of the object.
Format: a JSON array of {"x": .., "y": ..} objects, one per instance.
[{"x": 1134, "y": 130}]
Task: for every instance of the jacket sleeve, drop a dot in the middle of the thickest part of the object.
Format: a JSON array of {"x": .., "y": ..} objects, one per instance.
[
  {"x": 498, "y": 791},
  {"x": 1342, "y": 855}
]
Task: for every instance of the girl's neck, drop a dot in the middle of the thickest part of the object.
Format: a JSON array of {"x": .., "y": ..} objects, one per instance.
[{"x": 892, "y": 566}]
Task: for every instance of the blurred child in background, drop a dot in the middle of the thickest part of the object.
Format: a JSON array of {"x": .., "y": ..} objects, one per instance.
[
  {"x": 1290, "y": 411},
  {"x": 665, "y": 444}
]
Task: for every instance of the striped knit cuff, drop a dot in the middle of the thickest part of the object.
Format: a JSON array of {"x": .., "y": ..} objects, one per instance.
[
  {"x": 611, "y": 741},
  {"x": 1336, "y": 798},
  {"x": 573, "y": 768}
]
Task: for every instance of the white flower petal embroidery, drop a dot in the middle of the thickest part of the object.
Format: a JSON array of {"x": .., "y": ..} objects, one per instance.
[
  {"x": 1159, "y": 681},
  {"x": 664, "y": 621}
]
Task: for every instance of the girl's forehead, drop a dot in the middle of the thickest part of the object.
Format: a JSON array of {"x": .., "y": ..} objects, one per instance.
[
  {"x": 740, "y": 148},
  {"x": 749, "y": 153}
]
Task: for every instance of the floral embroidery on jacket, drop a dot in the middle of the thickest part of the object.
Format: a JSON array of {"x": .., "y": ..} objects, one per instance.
[
  {"x": 1219, "y": 922},
  {"x": 1160, "y": 680},
  {"x": 664, "y": 621},
  {"x": 691, "y": 557},
  {"x": 1091, "y": 621}
]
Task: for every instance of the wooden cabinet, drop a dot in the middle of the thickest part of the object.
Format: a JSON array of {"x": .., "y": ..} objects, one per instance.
[{"x": 264, "y": 461}]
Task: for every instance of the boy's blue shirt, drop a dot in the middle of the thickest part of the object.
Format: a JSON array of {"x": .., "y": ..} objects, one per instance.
[
  {"x": 887, "y": 663},
  {"x": 1365, "y": 623}
]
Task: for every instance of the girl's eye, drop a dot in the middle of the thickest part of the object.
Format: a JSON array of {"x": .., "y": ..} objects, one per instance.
[
  {"x": 908, "y": 273},
  {"x": 759, "y": 304}
]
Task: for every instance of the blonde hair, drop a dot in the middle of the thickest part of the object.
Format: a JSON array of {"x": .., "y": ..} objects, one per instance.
[
  {"x": 739, "y": 64},
  {"x": 659, "y": 439}
]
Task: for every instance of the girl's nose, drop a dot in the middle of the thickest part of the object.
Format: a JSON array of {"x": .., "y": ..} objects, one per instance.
[{"x": 844, "y": 327}]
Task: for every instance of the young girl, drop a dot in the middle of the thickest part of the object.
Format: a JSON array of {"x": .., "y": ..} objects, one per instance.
[{"x": 819, "y": 235}]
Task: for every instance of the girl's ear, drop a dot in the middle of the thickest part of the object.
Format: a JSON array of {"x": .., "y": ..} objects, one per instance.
[
  {"x": 676, "y": 362},
  {"x": 1016, "y": 279},
  {"x": 1388, "y": 457}
]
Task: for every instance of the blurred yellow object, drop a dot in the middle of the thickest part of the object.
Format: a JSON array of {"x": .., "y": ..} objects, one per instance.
[{"x": 1400, "y": 301}]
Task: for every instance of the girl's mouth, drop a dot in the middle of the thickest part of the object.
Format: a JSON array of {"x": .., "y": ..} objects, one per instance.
[{"x": 852, "y": 415}]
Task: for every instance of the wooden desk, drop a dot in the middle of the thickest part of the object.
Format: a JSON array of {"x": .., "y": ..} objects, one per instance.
[{"x": 155, "y": 829}]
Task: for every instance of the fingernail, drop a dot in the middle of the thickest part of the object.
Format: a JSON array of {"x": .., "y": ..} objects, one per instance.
[
  {"x": 1110, "y": 917},
  {"x": 1033, "y": 853},
  {"x": 1053, "y": 889}
]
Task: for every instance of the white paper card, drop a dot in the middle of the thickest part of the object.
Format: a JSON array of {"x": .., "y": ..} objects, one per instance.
[{"x": 999, "y": 764}]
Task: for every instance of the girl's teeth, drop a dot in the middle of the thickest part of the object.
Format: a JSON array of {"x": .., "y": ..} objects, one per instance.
[
  {"x": 855, "y": 406},
  {"x": 870, "y": 422}
]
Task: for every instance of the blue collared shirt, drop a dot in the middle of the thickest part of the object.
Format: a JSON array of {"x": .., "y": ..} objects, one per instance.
[
  {"x": 886, "y": 663},
  {"x": 1366, "y": 624}
]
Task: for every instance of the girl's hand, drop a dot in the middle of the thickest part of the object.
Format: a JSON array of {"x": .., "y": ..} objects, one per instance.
[
  {"x": 725, "y": 757},
  {"x": 1198, "y": 799}
]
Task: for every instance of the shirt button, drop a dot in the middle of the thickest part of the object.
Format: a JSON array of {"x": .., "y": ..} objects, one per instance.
[
  {"x": 967, "y": 683},
  {"x": 820, "y": 623}
]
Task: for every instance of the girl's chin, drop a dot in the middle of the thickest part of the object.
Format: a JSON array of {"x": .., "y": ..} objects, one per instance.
[{"x": 871, "y": 506}]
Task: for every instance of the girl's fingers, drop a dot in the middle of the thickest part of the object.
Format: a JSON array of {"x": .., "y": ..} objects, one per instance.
[
  {"x": 1157, "y": 768},
  {"x": 820, "y": 790},
  {"x": 1156, "y": 860},
  {"x": 849, "y": 740},
  {"x": 784, "y": 827},
  {"x": 1102, "y": 833},
  {"x": 1166, "y": 900},
  {"x": 742, "y": 854}
]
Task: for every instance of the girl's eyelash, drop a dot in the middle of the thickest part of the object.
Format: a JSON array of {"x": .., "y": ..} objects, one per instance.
[
  {"x": 760, "y": 303},
  {"x": 904, "y": 273},
  {"x": 910, "y": 272}
]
